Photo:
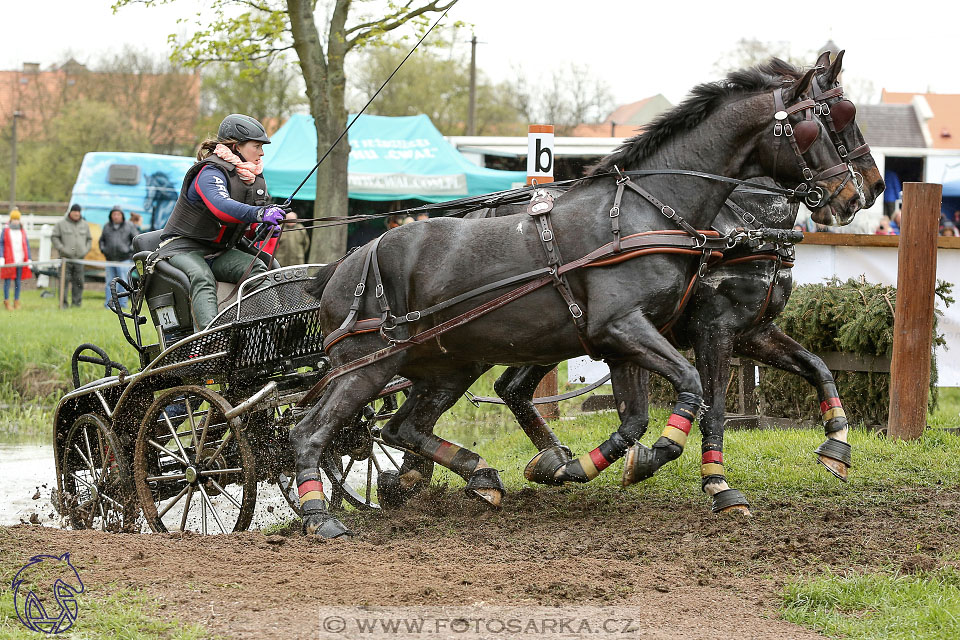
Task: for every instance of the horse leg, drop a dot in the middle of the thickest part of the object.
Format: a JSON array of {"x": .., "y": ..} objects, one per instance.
[
  {"x": 769, "y": 345},
  {"x": 713, "y": 352},
  {"x": 394, "y": 488},
  {"x": 637, "y": 342},
  {"x": 339, "y": 405},
  {"x": 432, "y": 397}
]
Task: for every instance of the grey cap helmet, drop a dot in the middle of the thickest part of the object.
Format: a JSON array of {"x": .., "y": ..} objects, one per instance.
[{"x": 241, "y": 128}]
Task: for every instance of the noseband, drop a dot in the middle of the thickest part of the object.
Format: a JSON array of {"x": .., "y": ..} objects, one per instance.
[{"x": 809, "y": 190}]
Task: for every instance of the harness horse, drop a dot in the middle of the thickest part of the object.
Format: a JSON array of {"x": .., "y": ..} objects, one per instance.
[{"x": 450, "y": 297}]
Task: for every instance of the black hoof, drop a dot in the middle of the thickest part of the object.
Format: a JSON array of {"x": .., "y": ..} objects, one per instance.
[
  {"x": 395, "y": 488},
  {"x": 485, "y": 485},
  {"x": 638, "y": 465},
  {"x": 542, "y": 468},
  {"x": 325, "y": 526},
  {"x": 730, "y": 500},
  {"x": 836, "y": 450}
]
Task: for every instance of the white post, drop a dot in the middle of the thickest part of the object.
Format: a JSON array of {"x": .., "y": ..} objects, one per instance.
[{"x": 46, "y": 231}]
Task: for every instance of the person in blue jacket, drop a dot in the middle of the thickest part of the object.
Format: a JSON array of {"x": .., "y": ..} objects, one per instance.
[{"x": 222, "y": 195}]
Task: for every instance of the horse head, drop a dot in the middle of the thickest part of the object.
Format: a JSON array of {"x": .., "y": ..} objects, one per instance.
[{"x": 33, "y": 585}]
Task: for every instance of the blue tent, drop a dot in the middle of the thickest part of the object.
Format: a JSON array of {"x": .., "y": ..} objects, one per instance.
[{"x": 390, "y": 159}]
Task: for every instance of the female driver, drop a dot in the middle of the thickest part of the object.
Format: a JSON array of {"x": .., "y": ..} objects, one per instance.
[{"x": 222, "y": 194}]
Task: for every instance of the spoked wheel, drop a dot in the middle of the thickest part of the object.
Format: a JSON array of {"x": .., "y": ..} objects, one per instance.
[
  {"x": 98, "y": 488},
  {"x": 194, "y": 469},
  {"x": 355, "y": 459}
]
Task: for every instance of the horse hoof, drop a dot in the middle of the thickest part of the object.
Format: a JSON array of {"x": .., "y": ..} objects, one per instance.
[
  {"x": 835, "y": 456},
  {"x": 838, "y": 469},
  {"x": 638, "y": 465},
  {"x": 730, "y": 501},
  {"x": 325, "y": 526},
  {"x": 543, "y": 467},
  {"x": 484, "y": 484}
]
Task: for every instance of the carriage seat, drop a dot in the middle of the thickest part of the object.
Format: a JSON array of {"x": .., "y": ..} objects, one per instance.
[{"x": 168, "y": 291}]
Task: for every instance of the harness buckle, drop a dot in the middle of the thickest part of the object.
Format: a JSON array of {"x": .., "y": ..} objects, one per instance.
[
  {"x": 575, "y": 311},
  {"x": 842, "y": 150},
  {"x": 748, "y": 217},
  {"x": 700, "y": 241},
  {"x": 824, "y": 109},
  {"x": 614, "y": 212},
  {"x": 379, "y": 291},
  {"x": 807, "y": 173},
  {"x": 778, "y": 129},
  {"x": 668, "y": 211},
  {"x": 359, "y": 290},
  {"x": 788, "y": 130},
  {"x": 546, "y": 235},
  {"x": 413, "y": 316},
  {"x": 702, "y": 271}
]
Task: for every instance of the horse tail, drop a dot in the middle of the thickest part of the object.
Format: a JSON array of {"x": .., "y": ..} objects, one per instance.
[{"x": 319, "y": 283}]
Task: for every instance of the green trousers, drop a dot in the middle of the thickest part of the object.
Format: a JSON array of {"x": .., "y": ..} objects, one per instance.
[{"x": 227, "y": 267}]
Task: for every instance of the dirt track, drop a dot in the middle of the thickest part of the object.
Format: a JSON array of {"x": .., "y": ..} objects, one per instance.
[{"x": 681, "y": 571}]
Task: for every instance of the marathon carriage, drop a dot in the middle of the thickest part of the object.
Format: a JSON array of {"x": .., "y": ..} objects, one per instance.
[{"x": 185, "y": 442}]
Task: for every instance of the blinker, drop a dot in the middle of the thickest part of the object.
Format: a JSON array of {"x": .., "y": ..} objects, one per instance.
[
  {"x": 843, "y": 113},
  {"x": 805, "y": 133}
]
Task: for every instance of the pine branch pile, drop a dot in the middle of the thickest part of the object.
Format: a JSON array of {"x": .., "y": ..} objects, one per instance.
[{"x": 856, "y": 317}]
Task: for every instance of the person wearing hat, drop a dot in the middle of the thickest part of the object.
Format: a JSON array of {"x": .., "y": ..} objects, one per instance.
[
  {"x": 116, "y": 244},
  {"x": 222, "y": 195},
  {"x": 14, "y": 248},
  {"x": 72, "y": 240}
]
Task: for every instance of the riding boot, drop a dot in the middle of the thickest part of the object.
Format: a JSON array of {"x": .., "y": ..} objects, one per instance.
[
  {"x": 6, "y": 305},
  {"x": 16, "y": 304}
]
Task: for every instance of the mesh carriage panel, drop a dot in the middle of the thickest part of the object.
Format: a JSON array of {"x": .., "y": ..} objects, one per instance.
[
  {"x": 203, "y": 344},
  {"x": 276, "y": 339}
]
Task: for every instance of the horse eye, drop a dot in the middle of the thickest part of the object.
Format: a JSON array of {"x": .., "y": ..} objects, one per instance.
[
  {"x": 843, "y": 113},
  {"x": 805, "y": 133}
]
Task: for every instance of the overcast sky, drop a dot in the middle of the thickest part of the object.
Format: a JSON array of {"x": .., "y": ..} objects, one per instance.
[{"x": 638, "y": 48}]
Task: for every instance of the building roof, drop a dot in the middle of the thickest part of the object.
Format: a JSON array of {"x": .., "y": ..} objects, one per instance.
[
  {"x": 627, "y": 120},
  {"x": 944, "y": 124},
  {"x": 890, "y": 125}
]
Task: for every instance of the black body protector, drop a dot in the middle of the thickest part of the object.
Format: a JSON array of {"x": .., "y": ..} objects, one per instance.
[{"x": 195, "y": 221}]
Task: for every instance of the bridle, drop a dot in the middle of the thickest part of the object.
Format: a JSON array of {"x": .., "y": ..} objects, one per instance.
[
  {"x": 837, "y": 116},
  {"x": 801, "y": 137}
]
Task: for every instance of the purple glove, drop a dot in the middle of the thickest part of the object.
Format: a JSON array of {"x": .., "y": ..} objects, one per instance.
[{"x": 272, "y": 215}]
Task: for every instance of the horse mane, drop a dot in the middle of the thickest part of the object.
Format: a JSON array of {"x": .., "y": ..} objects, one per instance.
[{"x": 702, "y": 101}]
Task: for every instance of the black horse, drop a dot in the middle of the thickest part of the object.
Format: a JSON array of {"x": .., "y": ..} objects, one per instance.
[
  {"x": 748, "y": 125},
  {"x": 732, "y": 310}
]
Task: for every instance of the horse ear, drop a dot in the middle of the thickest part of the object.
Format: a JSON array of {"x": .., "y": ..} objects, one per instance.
[
  {"x": 834, "y": 72},
  {"x": 798, "y": 88},
  {"x": 823, "y": 61}
]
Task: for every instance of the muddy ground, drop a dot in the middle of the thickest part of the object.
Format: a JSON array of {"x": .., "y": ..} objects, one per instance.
[{"x": 677, "y": 570}]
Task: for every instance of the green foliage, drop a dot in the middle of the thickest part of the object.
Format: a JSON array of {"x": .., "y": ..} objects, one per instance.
[
  {"x": 908, "y": 607},
  {"x": 849, "y": 317},
  {"x": 434, "y": 82},
  {"x": 47, "y": 167}
]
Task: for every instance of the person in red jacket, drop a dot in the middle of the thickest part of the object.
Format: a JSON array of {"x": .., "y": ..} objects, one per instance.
[{"x": 14, "y": 248}]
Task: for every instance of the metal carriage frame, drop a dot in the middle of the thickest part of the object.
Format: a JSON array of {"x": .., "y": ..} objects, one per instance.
[{"x": 206, "y": 418}]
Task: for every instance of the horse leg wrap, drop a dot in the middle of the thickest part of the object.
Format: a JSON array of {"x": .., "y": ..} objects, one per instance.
[
  {"x": 543, "y": 467},
  {"x": 730, "y": 498},
  {"x": 711, "y": 466},
  {"x": 313, "y": 504},
  {"x": 642, "y": 462},
  {"x": 833, "y": 416},
  {"x": 589, "y": 465},
  {"x": 485, "y": 484}
]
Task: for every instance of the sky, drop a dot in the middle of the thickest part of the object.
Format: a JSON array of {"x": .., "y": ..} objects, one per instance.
[{"x": 638, "y": 48}]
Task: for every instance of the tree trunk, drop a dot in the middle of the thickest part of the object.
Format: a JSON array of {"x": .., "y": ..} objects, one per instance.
[{"x": 329, "y": 243}]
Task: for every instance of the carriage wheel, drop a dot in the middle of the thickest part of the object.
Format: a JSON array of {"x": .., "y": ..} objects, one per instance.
[
  {"x": 98, "y": 488},
  {"x": 194, "y": 469},
  {"x": 354, "y": 460}
]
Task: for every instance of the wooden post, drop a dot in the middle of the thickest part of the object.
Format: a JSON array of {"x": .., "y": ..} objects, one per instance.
[
  {"x": 62, "y": 284},
  {"x": 913, "y": 319},
  {"x": 548, "y": 387}
]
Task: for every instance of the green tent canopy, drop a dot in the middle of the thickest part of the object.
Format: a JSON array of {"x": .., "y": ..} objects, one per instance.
[{"x": 390, "y": 159}]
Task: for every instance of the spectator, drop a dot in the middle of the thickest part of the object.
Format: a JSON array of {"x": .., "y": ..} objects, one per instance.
[
  {"x": 895, "y": 222},
  {"x": 137, "y": 220},
  {"x": 13, "y": 248},
  {"x": 71, "y": 238},
  {"x": 116, "y": 243},
  {"x": 883, "y": 229},
  {"x": 292, "y": 245},
  {"x": 949, "y": 229}
]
